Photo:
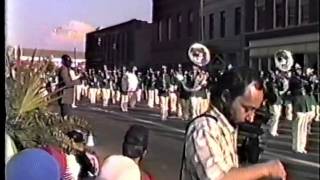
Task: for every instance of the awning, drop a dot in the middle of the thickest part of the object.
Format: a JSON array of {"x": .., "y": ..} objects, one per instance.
[{"x": 308, "y": 43}]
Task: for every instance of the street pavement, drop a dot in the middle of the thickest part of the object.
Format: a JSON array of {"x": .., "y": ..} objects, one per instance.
[
  {"x": 166, "y": 140},
  {"x": 301, "y": 166}
]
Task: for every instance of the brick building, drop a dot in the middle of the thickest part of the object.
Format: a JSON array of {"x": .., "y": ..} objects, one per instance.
[
  {"x": 223, "y": 29},
  {"x": 175, "y": 28},
  {"x": 127, "y": 43},
  {"x": 282, "y": 24}
]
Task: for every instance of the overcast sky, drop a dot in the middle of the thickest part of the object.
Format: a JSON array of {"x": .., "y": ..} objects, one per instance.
[{"x": 62, "y": 24}]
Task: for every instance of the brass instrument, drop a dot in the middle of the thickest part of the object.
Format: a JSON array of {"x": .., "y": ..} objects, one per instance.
[
  {"x": 283, "y": 60},
  {"x": 200, "y": 55}
]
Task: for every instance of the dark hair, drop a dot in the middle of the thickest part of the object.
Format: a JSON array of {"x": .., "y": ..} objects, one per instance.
[
  {"x": 66, "y": 60},
  {"x": 235, "y": 81},
  {"x": 76, "y": 136},
  {"x": 135, "y": 141}
]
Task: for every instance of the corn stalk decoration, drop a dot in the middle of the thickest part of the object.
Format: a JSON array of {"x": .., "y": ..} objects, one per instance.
[{"x": 28, "y": 121}]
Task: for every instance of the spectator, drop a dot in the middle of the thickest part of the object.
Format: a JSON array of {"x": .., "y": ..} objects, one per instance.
[
  {"x": 118, "y": 167},
  {"x": 33, "y": 164},
  {"x": 135, "y": 146},
  {"x": 210, "y": 150}
]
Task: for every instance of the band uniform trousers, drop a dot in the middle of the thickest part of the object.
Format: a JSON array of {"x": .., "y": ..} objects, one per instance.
[
  {"x": 151, "y": 100},
  {"x": 317, "y": 118},
  {"x": 105, "y": 96},
  {"x": 173, "y": 99},
  {"x": 124, "y": 101},
  {"x": 184, "y": 108},
  {"x": 118, "y": 95},
  {"x": 113, "y": 95},
  {"x": 164, "y": 106},
  {"x": 79, "y": 91},
  {"x": 138, "y": 94},
  {"x": 156, "y": 97},
  {"x": 195, "y": 106},
  {"x": 275, "y": 110},
  {"x": 299, "y": 134},
  {"x": 93, "y": 95},
  {"x": 299, "y": 130},
  {"x": 85, "y": 90},
  {"x": 132, "y": 98}
]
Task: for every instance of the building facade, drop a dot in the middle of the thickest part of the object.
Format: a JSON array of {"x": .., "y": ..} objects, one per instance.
[
  {"x": 127, "y": 44},
  {"x": 282, "y": 24},
  {"x": 223, "y": 29},
  {"x": 175, "y": 28}
]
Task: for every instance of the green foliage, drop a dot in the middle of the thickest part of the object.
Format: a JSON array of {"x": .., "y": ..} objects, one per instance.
[{"x": 28, "y": 121}]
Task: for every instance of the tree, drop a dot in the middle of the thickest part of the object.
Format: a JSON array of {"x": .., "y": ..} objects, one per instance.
[{"x": 28, "y": 121}]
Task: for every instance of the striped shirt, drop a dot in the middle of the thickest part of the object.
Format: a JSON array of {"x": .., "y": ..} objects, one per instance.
[{"x": 210, "y": 148}]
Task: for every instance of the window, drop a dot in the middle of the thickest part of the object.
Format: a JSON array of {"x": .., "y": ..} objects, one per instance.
[
  {"x": 211, "y": 26},
  {"x": 190, "y": 23},
  {"x": 304, "y": 8},
  {"x": 222, "y": 24},
  {"x": 160, "y": 31},
  {"x": 179, "y": 22},
  {"x": 279, "y": 9},
  {"x": 169, "y": 29},
  {"x": 259, "y": 14},
  {"x": 237, "y": 22},
  {"x": 99, "y": 41},
  {"x": 293, "y": 12}
]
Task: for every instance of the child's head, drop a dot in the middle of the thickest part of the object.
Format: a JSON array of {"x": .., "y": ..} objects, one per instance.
[{"x": 135, "y": 142}]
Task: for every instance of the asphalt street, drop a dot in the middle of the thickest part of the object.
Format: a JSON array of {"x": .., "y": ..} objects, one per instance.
[{"x": 166, "y": 140}]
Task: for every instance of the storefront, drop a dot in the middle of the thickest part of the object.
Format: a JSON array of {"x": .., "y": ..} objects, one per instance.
[{"x": 305, "y": 50}]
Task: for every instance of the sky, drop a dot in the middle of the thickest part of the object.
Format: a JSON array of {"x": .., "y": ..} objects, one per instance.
[{"x": 62, "y": 24}]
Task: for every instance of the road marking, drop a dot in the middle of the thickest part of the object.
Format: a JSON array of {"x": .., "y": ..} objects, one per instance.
[{"x": 140, "y": 120}]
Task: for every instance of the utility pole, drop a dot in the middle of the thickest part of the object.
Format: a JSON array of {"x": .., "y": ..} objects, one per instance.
[
  {"x": 201, "y": 19},
  {"x": 75, "y": 56}
]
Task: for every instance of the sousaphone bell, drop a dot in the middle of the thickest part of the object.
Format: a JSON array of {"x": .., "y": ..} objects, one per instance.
[
  {"x": 283, "y": 60},
  {"x": 199, "y": 55}
]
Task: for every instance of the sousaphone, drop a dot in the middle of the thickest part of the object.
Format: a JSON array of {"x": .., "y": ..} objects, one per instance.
[
  {"x": 283, "y": 60},
  {"x": 199, "y": 55}
]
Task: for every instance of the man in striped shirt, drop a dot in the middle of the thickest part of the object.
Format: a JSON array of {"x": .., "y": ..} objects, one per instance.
[{"x": 210, "y": 151}]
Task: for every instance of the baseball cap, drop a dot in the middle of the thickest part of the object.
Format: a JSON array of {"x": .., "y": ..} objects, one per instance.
[
  {"x": 135, "y": 141},
  {"x": 33, "y": 164}
]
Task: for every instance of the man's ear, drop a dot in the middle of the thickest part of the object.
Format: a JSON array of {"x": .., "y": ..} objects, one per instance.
[{"x": 226, "y": 96}]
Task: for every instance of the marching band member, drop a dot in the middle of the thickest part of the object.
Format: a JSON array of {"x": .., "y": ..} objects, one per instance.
[
  {"x": 151, "y": 86},
  {"x": 172, "y": 92},
  {"x": 184, "y": 98},
  {"x": 276, "y": 107},
  {"x": 163, "y": 89},
  {"x": 156, "y": 90},
  {"x": 132, "y": 91},
  {"x": 74, "y": 77},
  {"x": 195, "y": 98},
  {"x": 124, "y": 91},
  {"x": 140, "y": 87},
  {"x": 93, "y": 87},
  {"x": 204, "y": 103},
  {"x": 105, "y": 77},
  {"x": 114, "y": 82},
  {"x": 300, "y": 109}
]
